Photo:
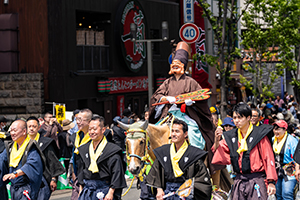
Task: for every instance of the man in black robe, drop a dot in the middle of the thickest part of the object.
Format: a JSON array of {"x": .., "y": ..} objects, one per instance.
[
  {"x": 53, "y": 166},
  {"x": 82, "y": 137},
  {"x": 101, "y": 169},
  {"x": 178, "y": 162}
]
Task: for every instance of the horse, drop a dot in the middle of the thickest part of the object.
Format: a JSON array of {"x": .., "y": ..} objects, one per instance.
[{"x": 139, "y": 137}]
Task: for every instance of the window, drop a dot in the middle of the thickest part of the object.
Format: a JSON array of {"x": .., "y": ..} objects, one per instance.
[{"x": 91, "y": 40}]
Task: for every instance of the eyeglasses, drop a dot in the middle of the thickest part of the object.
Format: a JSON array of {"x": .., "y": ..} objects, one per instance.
[
  {"x": 227, "y": 125},
  {"x": 80, "y": 120}
]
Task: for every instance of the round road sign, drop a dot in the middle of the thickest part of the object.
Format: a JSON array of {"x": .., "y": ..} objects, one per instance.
[{"x": 189, "y": 33}]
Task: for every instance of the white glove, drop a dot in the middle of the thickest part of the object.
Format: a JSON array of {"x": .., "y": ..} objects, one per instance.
[
  {"x": 189, "y": 102},
  {"x": 171, "y": 99}
]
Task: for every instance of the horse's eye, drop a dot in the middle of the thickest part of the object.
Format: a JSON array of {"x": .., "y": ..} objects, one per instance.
[{"x": 142, "y": 142}]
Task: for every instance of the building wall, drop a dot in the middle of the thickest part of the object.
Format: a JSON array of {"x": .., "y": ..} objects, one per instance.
[
  {"x": 21, "y": 93},
  {"x": 32, "y": 36}
]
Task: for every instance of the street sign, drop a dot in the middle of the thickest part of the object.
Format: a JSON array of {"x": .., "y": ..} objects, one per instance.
[
  {"x": 189, "y": 33},
  {"x": 188, "y": 11}
]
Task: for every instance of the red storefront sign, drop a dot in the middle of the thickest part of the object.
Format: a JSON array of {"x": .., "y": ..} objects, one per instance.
[
  {"x": 120, "y": 105},
  {"x": 128, "y": 84}
]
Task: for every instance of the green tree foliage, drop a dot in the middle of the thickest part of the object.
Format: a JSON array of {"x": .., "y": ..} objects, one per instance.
[
  {"x": 271, "y": 36},
  {"x": 225, "y": 31}
]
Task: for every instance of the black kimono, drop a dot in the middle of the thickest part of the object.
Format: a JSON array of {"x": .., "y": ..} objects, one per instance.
[
  {"x": 110, "y": 175},
  {"x": 53, "y": 166},
  {"x": 191, "y": 164}
]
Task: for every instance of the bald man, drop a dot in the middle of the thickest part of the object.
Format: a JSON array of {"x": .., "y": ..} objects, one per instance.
[{"x": 21, "y": 163}]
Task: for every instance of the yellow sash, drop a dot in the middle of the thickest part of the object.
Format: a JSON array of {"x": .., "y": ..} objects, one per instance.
[
  {"x": 176, "y": 156},
  {"x": 277, "y": 146},
  {"x": 37, "y": 137},
  {"x": 94, "y": 156},
  {"x": 257, "y": 124},
  {"x": 2, "y": 135},
  {"x": 242, "y": 140},
  {"x": 16, "y": 154},
  {"x": 84, "y": 140}
]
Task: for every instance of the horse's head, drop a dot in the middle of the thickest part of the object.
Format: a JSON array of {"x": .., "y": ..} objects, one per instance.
[{"x": 136, "y": 145}]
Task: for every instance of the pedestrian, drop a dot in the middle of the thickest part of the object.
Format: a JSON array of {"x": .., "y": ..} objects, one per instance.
[
  {"x": 284, "y": 146},
  {"x": 101, "y": 169},
  {"x": 3, "y": 124},
  {"x": 177, "y": 162},
  {"x": 50, "y": 128},
  {"x": 65, "y": 142},
  {"x": 119, "y": 134},
  {"x": 75, "y": 128},
  {"x": 255, "y": 119},
  {"x": 278, "y": 101},
  {"x": 248, "y": 149},
  {"x": 228, "y": 124},
  {"x": 126, "y": 117},
  {"x": 22, "y": 163},
  {"x": 53, "y": 167}
]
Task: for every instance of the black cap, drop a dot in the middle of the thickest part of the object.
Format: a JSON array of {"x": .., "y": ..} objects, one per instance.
[{"x": 126, "y": 112}]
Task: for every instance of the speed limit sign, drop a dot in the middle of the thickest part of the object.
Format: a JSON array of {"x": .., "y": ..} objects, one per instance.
[{"x": 189, "y": 33}]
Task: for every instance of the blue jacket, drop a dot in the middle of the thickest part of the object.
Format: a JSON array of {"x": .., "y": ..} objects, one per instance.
[{"x": 289, "y": 148}]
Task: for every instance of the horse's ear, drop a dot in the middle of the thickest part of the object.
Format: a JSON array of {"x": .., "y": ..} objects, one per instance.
[
  {"x": 144, "y": 125},
  {"x": 123, "y": 126}
]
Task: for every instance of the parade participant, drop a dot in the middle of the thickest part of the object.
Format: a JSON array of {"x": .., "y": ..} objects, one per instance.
[
  {"x": 82, "y": 137},
  {"x": 177, "y": 162},
  {"x": 248, "y": 149},
  {"x": 24, "y": 163},
  {"x": 53, "y": 167},
  {"x": 255, "y": 117},
  {"x": 50, "y": 128},
  {"x": 284, "y": 146},
  {"x": 101, "y": 169},
  {"x": 197, "y": 112}
]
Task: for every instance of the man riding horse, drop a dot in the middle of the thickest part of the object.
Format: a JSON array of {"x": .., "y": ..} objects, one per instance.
[{"x": 197, "y": 113}]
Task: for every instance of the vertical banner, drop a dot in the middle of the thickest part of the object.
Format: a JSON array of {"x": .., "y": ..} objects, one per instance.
[
  {"x": 60, "y": 112},
  {"x": 120, "y": 105},
  {"x": 199, "y": 68}
]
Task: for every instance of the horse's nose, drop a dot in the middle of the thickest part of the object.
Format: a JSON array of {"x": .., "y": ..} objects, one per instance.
[{"x": 135, "y": 170}]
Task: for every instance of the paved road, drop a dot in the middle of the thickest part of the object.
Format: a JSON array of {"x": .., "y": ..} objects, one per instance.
[{"x": 133, "y": 193}]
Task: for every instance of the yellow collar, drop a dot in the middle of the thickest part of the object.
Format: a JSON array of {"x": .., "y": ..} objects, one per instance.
[
  {"x": 243, "y": 147},
  {"x": 176, "y": 156},
  {"x": 277, "y": 146},
  {"x": 94, "y": 156},
  {"x": 84, "y": 140},
  {"x": 37, "y": 137},
  {"x": 16, "y": 154}
]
